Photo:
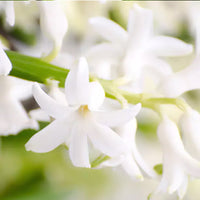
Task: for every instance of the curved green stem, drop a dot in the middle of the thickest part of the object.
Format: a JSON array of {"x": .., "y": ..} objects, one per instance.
[{"x": 35, "y": 69}]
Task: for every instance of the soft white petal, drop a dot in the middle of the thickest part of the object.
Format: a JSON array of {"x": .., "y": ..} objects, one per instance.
[
  {"x": 39, "y": 115},
  {"x": 13, "y": 117},
  {"x": 117, "y": 117},
  {"x": 50, "y": 137},
  {"x": 140, "y": 24},
  {"x": 142, "y": 164},
  {"x": 5, "y": 64},
  {"x": 78, "y": 148},
  {"x": 97, "y": 95},
  {"x": 106, "y": 140},
  {"x": 109, "y": 30},
  {"x": 168, "y": 46},
  {"x": 104, "y": 52},
  {"x": 191, "y": 165},
  {"x": 167, "y": 130},
  {"x": 48, "y": 104},
  {"x": 182, "y": 81},
  {"x": 183, "y": 188},
  {"x": 77, "y": 84},
  {"x": 131, "y": 168},
  {"x": 128, "y": 132},
  {"x": 53, "y": 21},
  {"x": 10, "y": 13},
  {"x": 190, "y": 126}
]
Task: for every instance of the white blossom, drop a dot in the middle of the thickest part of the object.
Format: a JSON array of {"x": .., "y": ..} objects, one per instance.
[
  {"x": 177, "y": 163},
  {"x": 129, "y": 53},
  {"x": 8, "y": 7},
  {"x": 190, "y": 126},
  {"x": 13, "y": 117},
  {"x": 53, "y": 21},
  {"x": 131, "y": 161},
  {"x": 73, "y": 125}
]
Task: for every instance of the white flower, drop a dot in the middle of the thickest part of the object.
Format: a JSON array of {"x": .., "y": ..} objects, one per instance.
[
  {"x": 177, "y": 163},
  {"x": 127, "y": 53},
  {"x": 73, "y": 125},
  {"x": 8, "y": 6},
  {"x": 185, "y": 80},
  {"x": 190, "y": 126},
  {"x": 54, "y": 92},
  {"x": 13, "y": 117},
  {"x": 180, "y": 82},
  {"x": 53, "y": 21},
  {"x": 131, "y": 160},
  {"x": 5, "y": 64}
]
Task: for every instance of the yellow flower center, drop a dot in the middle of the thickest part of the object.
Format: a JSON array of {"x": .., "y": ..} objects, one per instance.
[{"x": 83, "y": 110}]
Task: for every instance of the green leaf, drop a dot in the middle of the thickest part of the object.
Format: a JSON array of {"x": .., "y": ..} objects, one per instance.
[
  {"x": 159, "y": 169},
  {"x": 34, "y": 69}
]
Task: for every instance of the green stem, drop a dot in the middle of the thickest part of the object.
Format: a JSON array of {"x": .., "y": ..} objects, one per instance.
[{"x": 35, "y": 69}]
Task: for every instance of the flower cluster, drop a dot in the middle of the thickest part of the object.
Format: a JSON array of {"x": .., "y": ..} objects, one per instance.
[{"x": 129, "y": 66}]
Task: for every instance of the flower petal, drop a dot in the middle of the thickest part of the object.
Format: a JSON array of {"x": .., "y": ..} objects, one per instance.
[
  {"x": 5, "y": 65},
  {"x": 140, "y": 24},
  {"x": 78, "y": 148},
  {"x": 109, "y": 30},
  {"x": 131, "y": 168},
  {"x": 106, "y": 140},
  {"x": 77, "y": 84},
  {"x": 182, "y": 81},
  {"x": 53, "y": 21},
  {"x": 49, "y": 105},
  {"x": 50, "y": 137},
  {"x": 10, "y": 13},
  {"x": 117, "y": 117},
  {"x": 97, "y": 95},
  {"x": 169, "y": 46}
]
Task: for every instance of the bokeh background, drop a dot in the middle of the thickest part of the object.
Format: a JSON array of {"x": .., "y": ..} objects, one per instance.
[{"x": 51, "y": 176}]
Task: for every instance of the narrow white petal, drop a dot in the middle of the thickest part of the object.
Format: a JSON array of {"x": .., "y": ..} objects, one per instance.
[
  {"x": 117, "y": 117},
  {"x": 50, "y": 137},
  {"x": 131, "y": 168},
  {"x": 128, "y": 132},
  {"x": 190, "y": 126},
  {"x": 109, "y": 30},
  {"x": 140, "y": 24},
  {"x": 49, "y": 105},
  {"x": 176, "y": 180},
  {"x": 39, "y": 115},
  {"x": 169, "y": 46},
  {"x": 97, "y": 95},
  {"x": 106, "y": 140},
  {"x": 167, "y": 130},
  {"x": 5, "y": 64},
  {"x": 191, "y": 165},
  {"x": 183, "y": 188},
  {"x": 142, "y": 164},
  {"x": 77, "y": 84},
  {"x": 13, "y": 117},
  {"x": 78, "y": 148},
  {"x": 10, "y": 13},
  {"x": 53, "y": 21},
  {"x": 182, "y": 81}
]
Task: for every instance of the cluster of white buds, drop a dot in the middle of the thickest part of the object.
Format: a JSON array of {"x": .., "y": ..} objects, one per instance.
[{"x": 78, "y": 116}]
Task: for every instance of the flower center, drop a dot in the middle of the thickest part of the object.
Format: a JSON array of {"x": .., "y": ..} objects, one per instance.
[{"x": 83, "y": 110}]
